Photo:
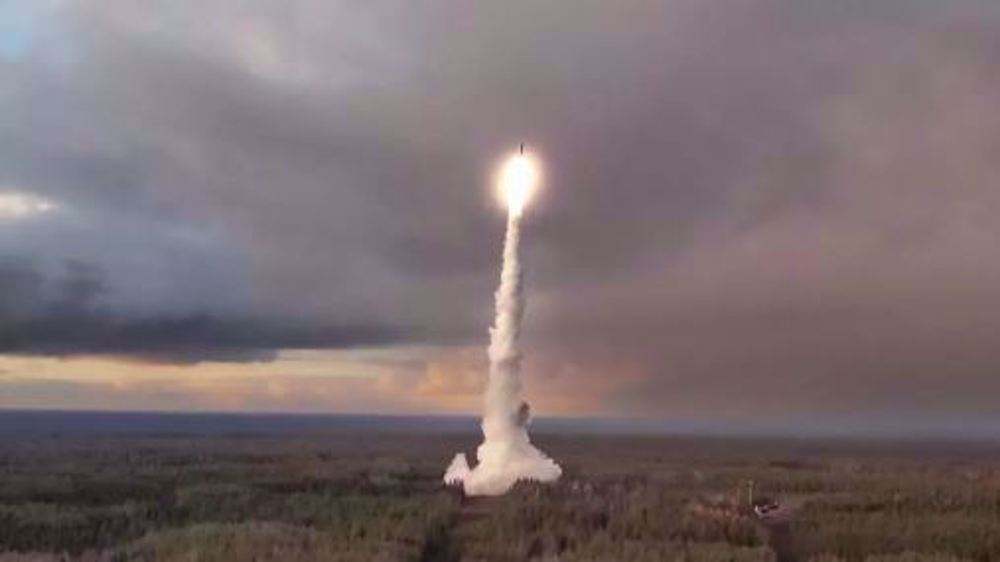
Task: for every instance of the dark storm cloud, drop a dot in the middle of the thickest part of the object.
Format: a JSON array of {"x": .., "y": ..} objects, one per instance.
[
  {"x": 67, "y": 318},
  {"x": 795, "y": 199}
]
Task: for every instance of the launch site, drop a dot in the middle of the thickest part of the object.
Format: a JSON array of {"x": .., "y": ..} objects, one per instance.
[{"x": 462, "y": 281}]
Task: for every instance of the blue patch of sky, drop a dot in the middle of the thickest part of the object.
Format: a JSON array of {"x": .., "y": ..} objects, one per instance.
[{"x": 21, "y": 25}]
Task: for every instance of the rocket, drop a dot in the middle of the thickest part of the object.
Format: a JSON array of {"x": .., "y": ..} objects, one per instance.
[{"x": 522, "y": 148}]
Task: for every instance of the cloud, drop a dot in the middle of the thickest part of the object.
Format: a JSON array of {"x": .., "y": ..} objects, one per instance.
[
  {"x": 869, "y": 294},
  {"x": 792, "y": 198},
  {"x": 66, "y": 317},
  {"x": 293, "y": 381}
]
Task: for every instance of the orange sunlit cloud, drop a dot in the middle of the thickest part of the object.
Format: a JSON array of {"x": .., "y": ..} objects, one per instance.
[{"x": 445, "y": 380}]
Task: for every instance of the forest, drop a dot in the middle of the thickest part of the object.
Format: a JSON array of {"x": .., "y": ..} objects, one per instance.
[{"x": 377, "y": 496}]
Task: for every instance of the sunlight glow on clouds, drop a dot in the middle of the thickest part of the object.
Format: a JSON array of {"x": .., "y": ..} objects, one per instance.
[
  {"x": 407, "y": 379},
  {"x": 16, "y": 205}
]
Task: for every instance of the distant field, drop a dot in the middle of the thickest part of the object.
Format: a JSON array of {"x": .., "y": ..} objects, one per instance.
[{"x": 374, "y": 495}]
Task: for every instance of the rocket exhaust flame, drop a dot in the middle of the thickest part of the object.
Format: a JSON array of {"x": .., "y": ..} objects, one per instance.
[
  {"x": 506, "y": 454},
  {"x": 518, "y": 181}
]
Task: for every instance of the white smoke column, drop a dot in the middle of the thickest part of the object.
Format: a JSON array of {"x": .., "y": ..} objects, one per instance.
[{"x": 506, "y": 454}]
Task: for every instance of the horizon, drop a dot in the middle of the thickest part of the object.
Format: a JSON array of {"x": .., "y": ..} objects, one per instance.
[{"x": 42, "y": 421}]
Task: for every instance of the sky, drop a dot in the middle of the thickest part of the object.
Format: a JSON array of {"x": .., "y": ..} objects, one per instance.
[{"x": 758, "y": 213}]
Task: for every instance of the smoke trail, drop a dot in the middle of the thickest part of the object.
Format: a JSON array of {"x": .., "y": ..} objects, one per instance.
[{"x": 506, "y": 454}]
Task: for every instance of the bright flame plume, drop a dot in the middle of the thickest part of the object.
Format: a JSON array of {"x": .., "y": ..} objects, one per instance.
[{"x": 519, "y": 178}]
